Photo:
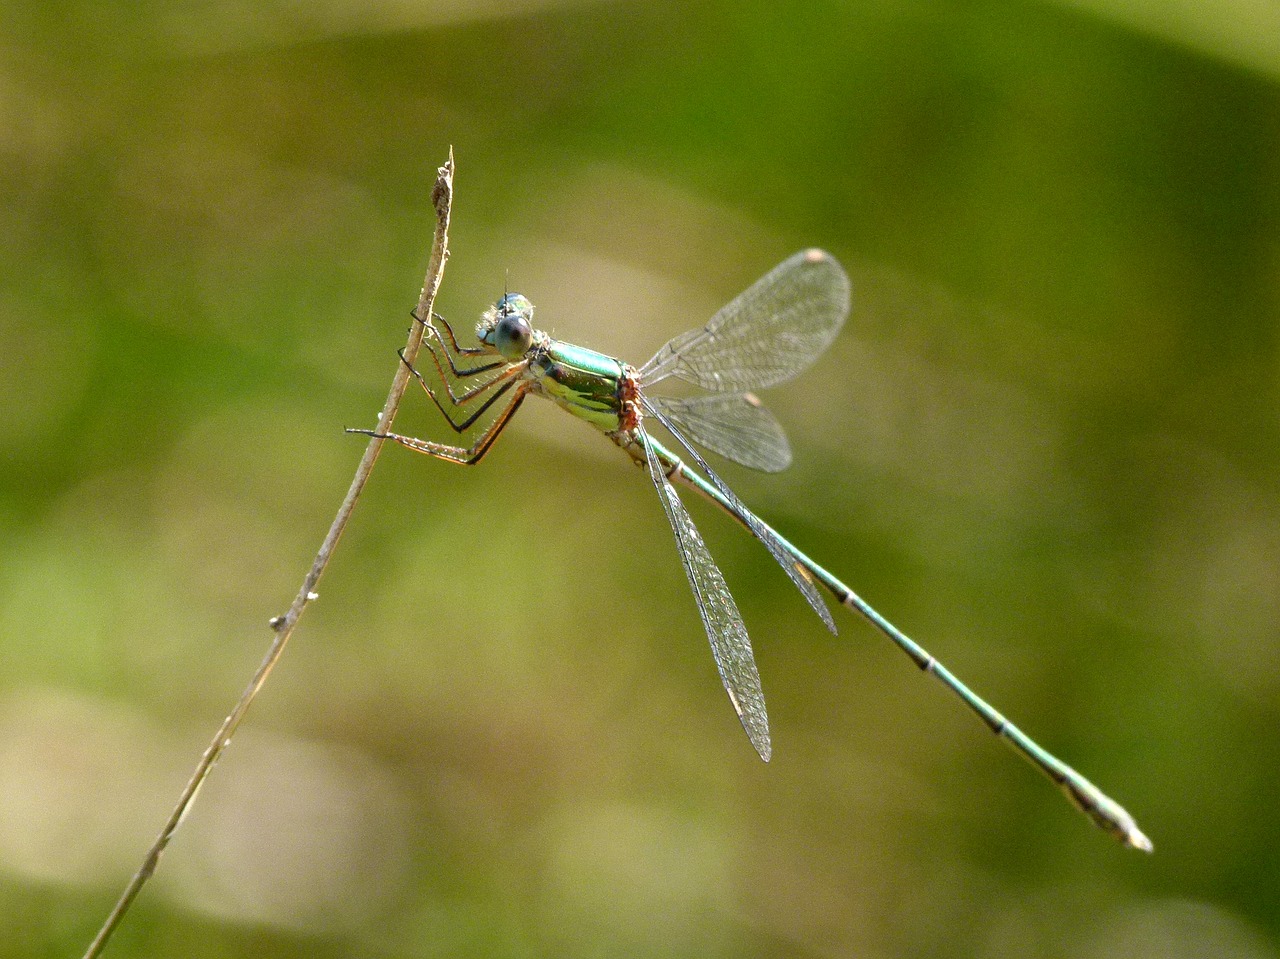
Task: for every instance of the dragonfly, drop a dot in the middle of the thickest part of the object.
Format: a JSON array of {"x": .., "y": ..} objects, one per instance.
[{"x": 771, "y": 332}]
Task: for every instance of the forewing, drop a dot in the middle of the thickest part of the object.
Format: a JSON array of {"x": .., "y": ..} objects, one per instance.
[
  {"x": 735, "y": 425},
  {"x": 771, "y": 332},
  {"x": 797, "y": 574},
  {"x": 729, "y": 642}
]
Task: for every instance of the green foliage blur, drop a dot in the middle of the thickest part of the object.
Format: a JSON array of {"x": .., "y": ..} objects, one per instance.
[{"x": 1046, "y": 445}]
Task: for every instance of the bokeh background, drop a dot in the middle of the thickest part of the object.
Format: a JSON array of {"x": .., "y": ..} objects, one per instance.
[{"x": 1045, "y": 445}]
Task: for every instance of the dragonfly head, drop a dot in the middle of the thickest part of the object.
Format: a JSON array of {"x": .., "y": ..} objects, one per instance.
[{"x": 507, "y": 326}]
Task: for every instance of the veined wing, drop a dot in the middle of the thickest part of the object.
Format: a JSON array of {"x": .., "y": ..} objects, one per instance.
[
  {"x": 735, "y": 425},
  {"x": 729, "y": 642},
  {"x": 798, "y": 575},
  {"x": 771, "y": 332}
]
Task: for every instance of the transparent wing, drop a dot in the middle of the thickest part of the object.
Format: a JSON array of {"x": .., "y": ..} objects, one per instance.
[
  {"x": 729, "y": 642},
  {"x": 771, "y": 332},
  {"x": 797, "y": 573},
  {"x": 735, "y": 425}
]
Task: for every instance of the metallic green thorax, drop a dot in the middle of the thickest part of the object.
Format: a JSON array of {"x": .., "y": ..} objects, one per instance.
[{"x": 588, "y": 384}]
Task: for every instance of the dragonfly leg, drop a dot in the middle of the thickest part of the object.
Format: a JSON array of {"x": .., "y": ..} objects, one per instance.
[
  {"x": 506, "y": 379},
  {"x": 434, "y": 331},
  {"x": 463, "y": 456},
  {"x": 459, "y": 374},
  {"x": 453, "y": 340},
  {"x": 459, "y": 400}
]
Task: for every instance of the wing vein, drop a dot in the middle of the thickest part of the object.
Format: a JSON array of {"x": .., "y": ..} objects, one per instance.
[
  {"x": 759, "y": 530},
  {"x": 774, "y": 329},
  {"x": 730, "y": 644}
]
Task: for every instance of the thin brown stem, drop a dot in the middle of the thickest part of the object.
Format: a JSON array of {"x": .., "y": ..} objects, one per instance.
[{"x": 442, "y": 200}]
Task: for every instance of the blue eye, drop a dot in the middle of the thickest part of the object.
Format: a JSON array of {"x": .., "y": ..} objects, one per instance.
[
  {"x": 513, "y": 336},
  {"x": 513, "y": 333},
  {"x": 514, "y": 303}
]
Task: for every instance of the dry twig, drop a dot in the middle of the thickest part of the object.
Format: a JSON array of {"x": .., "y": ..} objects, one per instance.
[{"x": 442, "y": 200}]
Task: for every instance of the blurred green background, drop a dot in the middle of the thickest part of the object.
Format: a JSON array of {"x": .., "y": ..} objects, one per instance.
[{"x": 1045, "y": 445}]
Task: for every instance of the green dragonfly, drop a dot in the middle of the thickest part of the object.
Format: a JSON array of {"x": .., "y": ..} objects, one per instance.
[{"x": 767, "y": 335}]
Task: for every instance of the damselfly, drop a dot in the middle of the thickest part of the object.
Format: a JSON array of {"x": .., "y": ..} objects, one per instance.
[{"x": 774, "y": 330}]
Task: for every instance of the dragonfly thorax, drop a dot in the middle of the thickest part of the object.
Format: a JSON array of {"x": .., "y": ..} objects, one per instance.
[{"x": 508, "y": 326}]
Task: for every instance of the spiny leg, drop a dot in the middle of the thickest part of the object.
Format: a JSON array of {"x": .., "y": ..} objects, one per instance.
[
  {"x": 457, "y": 454},
  {"x": 455, "y": 399},
  {"x": 459, "y": 350},
  {"x": 505, "y": 377},
  {"x": 453, "y": 368},
  {"x": 470, "y": 394},
  {"x": 434, "y": 331}
]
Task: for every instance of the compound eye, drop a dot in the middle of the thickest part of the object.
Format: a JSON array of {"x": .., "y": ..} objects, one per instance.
[{"x": 513, "y": 336}]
